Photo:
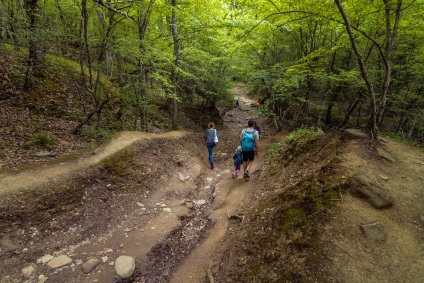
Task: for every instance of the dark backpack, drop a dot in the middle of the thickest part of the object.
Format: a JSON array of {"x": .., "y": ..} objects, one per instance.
[{"x": 248, "y": 140}]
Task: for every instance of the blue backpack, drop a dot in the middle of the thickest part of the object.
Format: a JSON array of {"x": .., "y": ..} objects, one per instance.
[{"x": 248, "y": 140}]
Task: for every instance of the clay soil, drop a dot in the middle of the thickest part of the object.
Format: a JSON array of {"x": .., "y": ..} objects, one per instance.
[{"x": 154, "y": 197}]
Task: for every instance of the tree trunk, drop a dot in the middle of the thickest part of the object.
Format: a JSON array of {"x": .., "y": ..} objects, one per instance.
[
  {"x": 388, "y": 51},
  {"x": 2, "y": 16},
  {"x": 174, "y": 104},
  {"x": 36, "y": 49},
  {"x": 364, "y": 73},
  {"x": 92, "y": 82}
]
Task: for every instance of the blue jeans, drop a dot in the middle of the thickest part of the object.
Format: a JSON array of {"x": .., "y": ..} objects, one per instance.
[{"x": 210, "y": 147}]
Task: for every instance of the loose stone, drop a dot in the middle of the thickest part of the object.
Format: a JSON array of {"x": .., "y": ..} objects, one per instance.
[
  {"x": 28, "y": 270},
  {"x": 89, "y": 265},
  {"x": 59, "y": 261},
  {"x": 125, "y": 266}
]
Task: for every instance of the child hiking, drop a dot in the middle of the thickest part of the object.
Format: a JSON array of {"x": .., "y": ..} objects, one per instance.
[
  {"x": 249, "y": 140},
  {"x": 238, "y": 160}
]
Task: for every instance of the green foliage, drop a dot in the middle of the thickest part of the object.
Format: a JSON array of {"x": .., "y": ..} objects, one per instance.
[
  {"x": 401, "y": 138},
  {"x": 292, "y": 53},
  {"x": 97, "y": 135},
  {"x": 294, "y": 143},
  {"x": 40, "y": 140},
  {"x": 119, "y": 165}
]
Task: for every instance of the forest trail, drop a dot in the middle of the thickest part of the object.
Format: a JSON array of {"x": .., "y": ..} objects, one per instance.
[
  {"x": 144, "y": 222},
  {"x": 231, "y": 196},
  {"x": 60, "y": 170},
  {"x": 175, "y": 219}
]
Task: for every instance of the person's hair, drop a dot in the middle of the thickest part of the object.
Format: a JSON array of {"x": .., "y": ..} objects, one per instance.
[
  {"x": 211, "y": 125},
  {"x": 251, "y": 123}
]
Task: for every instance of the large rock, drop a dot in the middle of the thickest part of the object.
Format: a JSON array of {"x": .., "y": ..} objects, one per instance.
[
  {"x": 374, "y": 231},
  {"x": 28, "y": 270},
  {"x": 59, "y": 261},
  {"x": 365, "y": 186},
  {"x": 384, "y": 154},
  {"x": 89, "y": 265},
  {"x": 44, "y": 259},
  {"x": 125, "y": 266}
]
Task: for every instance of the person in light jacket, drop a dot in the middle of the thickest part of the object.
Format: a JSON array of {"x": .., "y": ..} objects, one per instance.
[{"x": 211, "y": 137}]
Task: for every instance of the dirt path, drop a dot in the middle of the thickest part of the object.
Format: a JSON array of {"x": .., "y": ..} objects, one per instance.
[
  {"x": 230, "y": 196},
  {"x": 66, "y": 169},
  {"x": 161, "y": 230}
]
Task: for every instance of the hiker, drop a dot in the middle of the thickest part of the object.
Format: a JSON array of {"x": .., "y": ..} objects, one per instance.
[
  {"x": 238, "y": 160},
  {"x": 257, "y": 128},
  {"x": 249, "y": 140},
  {"x": 211, "y": 137},
  {"x": 237, "y": 103}
]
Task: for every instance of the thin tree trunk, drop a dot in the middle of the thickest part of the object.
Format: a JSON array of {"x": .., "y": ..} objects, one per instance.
[
  {"x": 36, "y": 52},
  {"x": 364, "y": 73},
  {"x": 349, "y": 112},
  {"x": 174, "y": 105},
  {"x": 92, "y": 83},
  {"x": 2, "y": 28},
  {"x": 388, "y": 51}
]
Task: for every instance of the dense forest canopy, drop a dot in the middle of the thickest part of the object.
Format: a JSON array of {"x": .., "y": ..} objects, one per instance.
[{"x": 330, "y": 64}]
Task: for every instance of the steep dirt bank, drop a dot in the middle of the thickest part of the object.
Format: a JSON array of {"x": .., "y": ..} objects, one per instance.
[{"x": 287, "y": 237}]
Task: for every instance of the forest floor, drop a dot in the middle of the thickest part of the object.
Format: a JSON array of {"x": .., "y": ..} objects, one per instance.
[{"x": 154, "y": 197}]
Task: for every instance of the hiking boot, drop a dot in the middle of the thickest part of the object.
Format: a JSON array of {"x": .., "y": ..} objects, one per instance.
[
  {"x": 211, "y": 166},
  {"x": 234, "y": 175},
  {"x": 246, "y": 175}
]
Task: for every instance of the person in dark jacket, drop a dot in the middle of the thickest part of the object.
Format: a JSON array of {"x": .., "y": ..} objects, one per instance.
[{"x": 211, "y": 137}]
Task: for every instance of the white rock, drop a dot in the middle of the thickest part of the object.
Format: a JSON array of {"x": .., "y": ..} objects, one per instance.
[
  {"x": 125, "y": 266},
  {"x": 59, "y": 261},
  {"x": 181, "y": 175},
  {"x": 42, "y": 278},
  {"x": 199, "y": 202},
  {"x": 45, "y": 258},
  {"x": 28, "y": 270},
  {"x": 167, "y": 209},
  {"x": 385, "y": 178},
  {"x": 140, "y": 204},
  {"x": 105, "y": 258}
]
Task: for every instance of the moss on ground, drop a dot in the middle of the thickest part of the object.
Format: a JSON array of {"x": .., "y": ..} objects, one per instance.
[{"x": 283, "y": 152}]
